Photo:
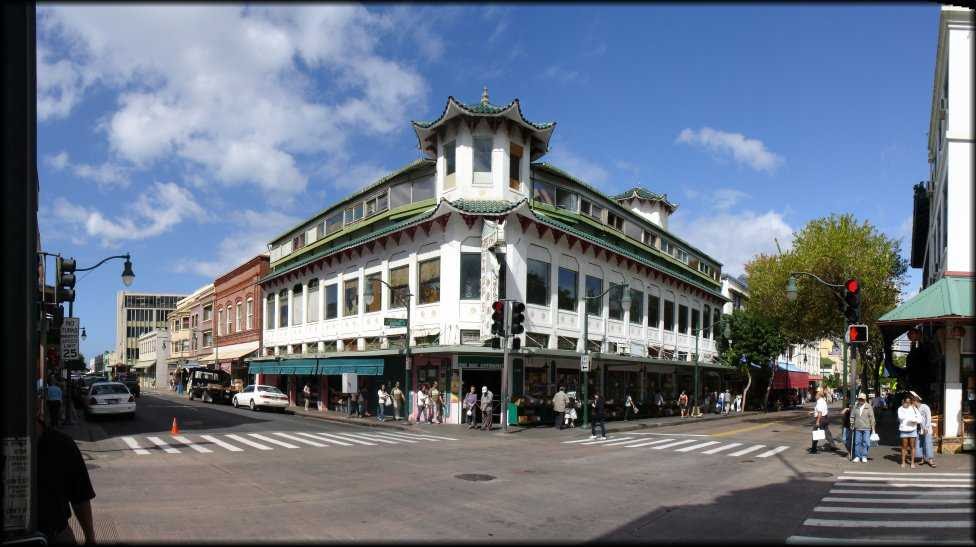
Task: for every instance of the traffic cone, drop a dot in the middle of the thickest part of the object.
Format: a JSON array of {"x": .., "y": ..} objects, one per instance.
[{"x": 175, "y": 430}]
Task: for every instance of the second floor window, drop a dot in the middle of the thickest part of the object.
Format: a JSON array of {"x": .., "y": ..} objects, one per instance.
[
  {"x": 470, "y": 276},
  {"x": 283, "y": 308},
  {"x": 331, "y": 301},
  {"x": 568, "y": 289},
  {"x": 296, "y": 304},
  {"x": 695, "y": 320},
  {"x": 654, "y": 311},
  {"x": 400, "y": 283},
  {"x": 636, "y": 307},
  {"x": 430, "y": 281},
  {"x": 615, "y": 297},
  {"x": 350, "y": 297},
  {"x": 594, "y": 286},
  {"x": 683, "y": 319},
  {"x": 207, "y": 312},
  {"x": 230, "y": 324},
  {"x": 269, "y": 312},
  {"x": 515, "y": 167},
  {"x": 481, "y": 148},
  {"x": 313, "y": 300},
  {"x": 220, "y": 322},
  {"x": 707, "y": 316},
  {"x": 238, "y": 316},
  {"x": 537, "y": 282},
  {"x": 207, "y": 339},
  {"x": 450, "y": 165},
  {"x": 543, "y": 192},
  {"x": 669, "y": 315},
  {"x": 250, "y": 313},
  {"x": 373, "y": 297}
]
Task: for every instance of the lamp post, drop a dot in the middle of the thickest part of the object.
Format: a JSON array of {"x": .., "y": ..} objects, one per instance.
[
  {"x": 407, "y": 357},
  {"x": 624, "y": 303},
  {"x": 727, "y": 332}
]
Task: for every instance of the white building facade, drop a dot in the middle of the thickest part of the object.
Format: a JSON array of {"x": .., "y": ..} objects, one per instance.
[
  {"x": 135, "y": 315},
  {"x": 154, "y": 352}
]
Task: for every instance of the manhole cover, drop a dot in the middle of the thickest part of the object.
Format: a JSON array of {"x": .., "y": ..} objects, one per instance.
[
  {"x": 474, "y": 477},
  {"x": 817, "y": 475}
]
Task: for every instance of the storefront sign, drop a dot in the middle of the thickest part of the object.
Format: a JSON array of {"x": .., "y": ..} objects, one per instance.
[
  {"x": 394, "y": 322},
  {"x": 479, "y": 362},
  {"x": 16, "y": 483}
]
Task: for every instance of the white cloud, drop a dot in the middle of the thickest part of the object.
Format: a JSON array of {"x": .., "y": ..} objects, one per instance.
[
  {"x": 234, "y": 90},
  {"x": 724, "y": 199},
  {"x": 734, "y": 238},
  {"x": 744, "y": 150},
  {"x": 155, "y": 211},
  {"x": 106, "y": 175},
  {"x": 578, "y": 166},
  {"x": 562, "y": 74},
  {"x": 253, "y": 230}
]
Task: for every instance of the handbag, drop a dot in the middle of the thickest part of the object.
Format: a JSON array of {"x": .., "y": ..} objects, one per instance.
[
  {"x": 875, "y": 437},
  {"x": 819, "y": 435},
  {"x": 469, "y": 412}
]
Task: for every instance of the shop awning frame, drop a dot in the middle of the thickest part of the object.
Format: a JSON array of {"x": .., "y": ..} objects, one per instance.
[{"x": 316, "y": 366}]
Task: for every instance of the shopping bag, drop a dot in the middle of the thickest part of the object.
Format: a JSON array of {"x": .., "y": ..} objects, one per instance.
[
  {"x": 875, "y": 438},
  {"x": 819, "y": 435}
]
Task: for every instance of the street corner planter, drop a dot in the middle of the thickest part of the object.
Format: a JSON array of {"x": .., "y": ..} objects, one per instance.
[{"x": 950, "y": 445}]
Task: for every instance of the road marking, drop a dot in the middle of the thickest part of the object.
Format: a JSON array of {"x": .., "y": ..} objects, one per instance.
[
  {"x": 266, "y": 439},
  {"x": 366, "y": 436},
  {"x": 748, "y": 450},
  {"x": 249, "y": 442},
  {"x": 892, "y": 510},
  {"x": 897, "y": 474},
  {"x": 648, "y": 443},
  {"x": 667, "y": 434},
  {"x": 135, "y": 446},
  {"x": 772, "y": 452},
  {"x": 618, "y": 441},
  {"x": 900, "y": 493},
  {"x": 675, "y": 443},
  {"x": 328, "y": 438},
  {"x": 441, "y": 437},
  {"x": 412, "y": 437},
  {"x": 577, "y": 441},
  {"x": 162, "y": 444},
  {"x": 221, "y": 443},
  {"x": 891, "y": 501},
  {"x": 300, "y": 440},
  {"x": 802, "y": 540},
  {"x": 722, "y": 448},
  {"x": 188, "y": 442},
  {"x": 885, "y": 479},
  {"x": 391, "y": 437},
  {"x": 888, "y": 523},
  {"x": 908, "y": 485},
  {"x": 696, "y": 446},
  {"x": 609, "y": 440},
  {"x": 743, "y": 429}
]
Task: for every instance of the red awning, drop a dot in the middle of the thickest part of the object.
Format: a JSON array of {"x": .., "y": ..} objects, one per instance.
[{"x": 783, "y": 379}]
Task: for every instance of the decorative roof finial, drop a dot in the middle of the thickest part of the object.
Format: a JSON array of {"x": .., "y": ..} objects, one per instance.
[{"x": 484, "y": 96}]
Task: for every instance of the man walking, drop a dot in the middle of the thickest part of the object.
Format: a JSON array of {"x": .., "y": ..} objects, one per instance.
[
  {"x": 435, "y": 402},
  {"x": 821, "y": 422},
  {"x": 54, "y": 397},
  {"x": 862, "y": 426},
  {"x": 307, "y": 394},
  {"x": 598, "y": 418},
  {"x": 559, "y": 406},
  {"x": 470, "y": 402},
  {"x": 923, "y": 444},
  {"x": 486, "y": 397}
]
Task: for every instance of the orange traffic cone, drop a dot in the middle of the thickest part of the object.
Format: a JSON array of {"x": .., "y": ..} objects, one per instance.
[{"x": 175, "y": 430}]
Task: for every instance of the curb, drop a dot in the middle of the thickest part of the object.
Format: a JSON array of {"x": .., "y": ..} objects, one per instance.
[{"x": 367, "y": 423}]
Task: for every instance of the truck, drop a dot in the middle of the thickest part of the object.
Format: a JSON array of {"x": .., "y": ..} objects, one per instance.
[{"x": 210, "y": 386}]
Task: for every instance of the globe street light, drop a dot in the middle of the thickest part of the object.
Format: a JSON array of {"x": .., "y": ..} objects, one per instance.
[
  {"x": 84, "y": 335},
  {"x": 791, "y": 289}
]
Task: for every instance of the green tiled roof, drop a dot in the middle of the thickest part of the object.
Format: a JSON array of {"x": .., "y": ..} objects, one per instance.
[
  {"x": 644, "y": 193},
  {"x": 485, "y": 206},
  {"x": 483, "y": 109}
]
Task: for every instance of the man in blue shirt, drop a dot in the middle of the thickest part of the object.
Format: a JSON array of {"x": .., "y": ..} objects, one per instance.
[{"x": 54, "y": 403}]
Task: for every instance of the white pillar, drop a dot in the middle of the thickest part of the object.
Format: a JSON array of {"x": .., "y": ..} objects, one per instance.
[{"x": 952, "y": 397}]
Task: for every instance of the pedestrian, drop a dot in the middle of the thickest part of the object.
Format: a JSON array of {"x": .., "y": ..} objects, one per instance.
[
  {"x": 63, "y": 486},
  {"x": 571, "y": 405},
  {"x": 909, "y": 420},
  {"x": 683, "y": 403},
  {"x": 598, "y": 417},
  {"x": 720, "y": 402},
  {"x": 727, "y": 402},
  {"x": 821, "y": 422},
  {"x": 53, "y": 397},
  {"x": 629, "y": 407},
  {"x": 353, "y": 406},
  {"x": 738, "y": 402},
  {"x": 382, "y": 400},
  {"x": 486, "y": 400},
  {"x": 436, "y": 413},
  {"x": 659, "y": 403},
  {"x": 362, "y": 402},
  {"x": 559, "y": 401},
  {"x": 470, "y": 403},
  {"x": 862, "y": 423},
  {"x": 307, "y": 394},
  {"x": 397, "y": 401},
  {"x": 877, "y": 404},
  {"x": 923, "y": 445},
  {"x": 421, "y": 403}
]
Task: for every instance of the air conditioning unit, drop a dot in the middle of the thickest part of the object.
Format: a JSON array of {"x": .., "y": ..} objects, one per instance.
[
  {"x": 623, "y": 349},
  {"x": 943, "y": 104}
]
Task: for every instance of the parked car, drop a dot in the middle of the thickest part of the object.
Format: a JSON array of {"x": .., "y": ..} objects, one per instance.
[
  {"x": 131, "y": 381},
  {"x": 82, "y": 384},
  {"x": 259, "y": 396},
  {"x": 110, "y": 398},
  {"x": 210, "y": 386}
]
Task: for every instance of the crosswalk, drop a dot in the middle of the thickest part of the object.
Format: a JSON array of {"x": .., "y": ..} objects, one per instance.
[
  {"x": 696, "y": 445},
  {"x": 895, "y": 507},
  {"x": 270, "y": 440}
]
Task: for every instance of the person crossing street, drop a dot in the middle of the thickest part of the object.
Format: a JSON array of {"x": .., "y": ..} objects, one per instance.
[
  {"x": 486, "y": 400},
  {"x": 821, "y": 422},
  {"x": 559, "y": 407}
]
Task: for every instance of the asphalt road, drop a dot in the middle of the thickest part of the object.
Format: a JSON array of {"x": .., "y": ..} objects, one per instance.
[{"x": 243, "y": 476}]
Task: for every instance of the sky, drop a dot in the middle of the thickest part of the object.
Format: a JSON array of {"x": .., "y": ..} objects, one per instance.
[{"x": 189, "y": 135}]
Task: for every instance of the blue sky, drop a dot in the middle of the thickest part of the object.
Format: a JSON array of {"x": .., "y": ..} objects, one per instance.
[{"x": 189, "y": 135}]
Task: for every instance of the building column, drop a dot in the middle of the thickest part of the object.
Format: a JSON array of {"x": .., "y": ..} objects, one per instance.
[{"x": 952, "y": 386}]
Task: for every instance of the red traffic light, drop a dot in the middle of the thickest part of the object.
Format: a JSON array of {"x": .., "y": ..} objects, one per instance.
[
  {"x": 498, "y": 306},
  {"x": 856, "y": 334},
  {"x": 852, "y": 285}
]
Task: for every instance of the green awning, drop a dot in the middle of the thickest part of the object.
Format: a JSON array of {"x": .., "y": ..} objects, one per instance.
[
  {"x": 313, "y": 366},
  {"x": 947, "y": 298}
]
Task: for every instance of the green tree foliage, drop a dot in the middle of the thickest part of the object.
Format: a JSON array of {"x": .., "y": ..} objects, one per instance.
[{"x": 754, "y": 339}]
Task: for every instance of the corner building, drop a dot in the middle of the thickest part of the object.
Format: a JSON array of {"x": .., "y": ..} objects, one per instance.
[{"x": 479, "y": 217}]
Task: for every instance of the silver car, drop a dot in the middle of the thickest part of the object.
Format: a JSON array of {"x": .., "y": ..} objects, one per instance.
[{"x": 110, "y": 398}]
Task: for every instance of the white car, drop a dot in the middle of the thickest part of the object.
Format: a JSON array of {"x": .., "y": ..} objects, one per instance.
[
  {"x": 110, "y": 398},
  {"x": 255, "y": 397}
]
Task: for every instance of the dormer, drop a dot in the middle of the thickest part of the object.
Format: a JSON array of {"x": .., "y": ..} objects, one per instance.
[
  {"x": 654, "y": 207},
  {"x": 482, "y": 150}
]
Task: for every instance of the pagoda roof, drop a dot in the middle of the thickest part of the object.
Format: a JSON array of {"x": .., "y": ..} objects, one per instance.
[{"x": 638, "y": 192}]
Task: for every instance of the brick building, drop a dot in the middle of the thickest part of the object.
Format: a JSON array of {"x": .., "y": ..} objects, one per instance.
[{"x": 237, "y": 314}]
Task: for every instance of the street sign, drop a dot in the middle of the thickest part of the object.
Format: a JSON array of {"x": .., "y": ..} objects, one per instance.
[
  {"x": 584, "y": 363},
  {"x": 394, "y": 322},
  {"x": 69, "y": 338}
]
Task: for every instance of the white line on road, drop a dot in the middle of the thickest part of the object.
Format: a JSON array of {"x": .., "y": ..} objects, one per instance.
[
  {"x": 609, "y": 440},
  {"x": 300, "y": 440},
  {"x": 904, "y": 485},
  {"x": 911, "y": 501},
  {"x": 354, "y": 436},
  {"x": 772, "y": 452},
  {"x": 911, "y": 479},
  {"x": 722, "y": 448},
  {"x": 901, "y": 493},
  {"x": 412, "y": 437},
  {"x": 748, "y": 450},
  {"x": 249, "y": 442},
  {"x": 391, "y": 437},
  {"x": 696, "y": 446},
  {"x": 888, "y": 523},
  {"x": 221, "y": 443},
  {"x": 267, "y": 439},
  {"x": 441, "y": 437},
  {"x": 895, "y": 474},
  {"x": 616, "y": 442},
  {"x": 578, "y": 441},
  {"x": 648, "y": 443},
  {"x": 135, "y": 446},
  {"x": 675, "y": 443},
  {"x": 668, "y": 434},
  {"x": 337, "y": 439},
  {"x": 162, "y": 444},
  {"x": 188, "y": 442},
  {"x": 893, "y": 510},
  {"x": 804, "y": 540}
]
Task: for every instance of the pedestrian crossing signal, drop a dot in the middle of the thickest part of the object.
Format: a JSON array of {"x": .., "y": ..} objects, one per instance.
[
  {"x": 498, "y": 318},
  {"x": 856, "y": 334}
]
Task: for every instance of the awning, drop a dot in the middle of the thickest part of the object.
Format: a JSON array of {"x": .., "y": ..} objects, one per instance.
[
  {"x": 233, "y": 353},
  {"x": 783, "y": 379},
  {"x": 209, "y": 358},
  {"x": 321, "y": 367},
  {"x": 947, "y": 299},
  {"x": 141, "y": 366}
]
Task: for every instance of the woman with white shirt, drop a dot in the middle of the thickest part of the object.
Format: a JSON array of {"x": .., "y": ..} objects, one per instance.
[{"x": 908, "y": 422}]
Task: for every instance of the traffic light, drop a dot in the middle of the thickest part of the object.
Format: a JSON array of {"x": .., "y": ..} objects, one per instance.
[
  {"x": 856, "y": 334},
  {"x": 66, "y": 279},
  {"x": 498, "y": 318},
  {"x": 852, "y": 299},
  {"x": 518, "y": 317}
]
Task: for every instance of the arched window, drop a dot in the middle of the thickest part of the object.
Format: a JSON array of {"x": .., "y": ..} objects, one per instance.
[
  {"x": 269, "y": 312},
  {"x": 283, "y": 308},
  {"x": 296, "y": 297},
  {"x": 313, "y": 300},
  {"x": 238, "y": 315},
  {"x": 250, "y": 313}
]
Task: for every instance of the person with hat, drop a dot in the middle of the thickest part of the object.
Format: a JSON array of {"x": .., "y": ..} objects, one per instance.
[
  {"x": 923, "y": 444},
  {"x": 862, "y": 423},
  {"x": 908, "y": 422},
  {"x": 486, "y": 397}
]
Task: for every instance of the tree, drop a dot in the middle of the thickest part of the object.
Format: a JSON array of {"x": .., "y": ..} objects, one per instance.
[
  {"x": 834, "y": 248},
  {"x": 754, "y": 339}
]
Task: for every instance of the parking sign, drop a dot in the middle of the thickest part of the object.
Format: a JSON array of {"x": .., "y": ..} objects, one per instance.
[{"x": 69, "y": 338}]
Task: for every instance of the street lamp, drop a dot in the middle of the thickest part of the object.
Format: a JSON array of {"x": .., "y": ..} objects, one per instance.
[
  {"x": 624, "y": 304},
  {"x": 791, "y": 289},
  {"x": 407, "y": 357},
  {"x": 84, "y": 335}
]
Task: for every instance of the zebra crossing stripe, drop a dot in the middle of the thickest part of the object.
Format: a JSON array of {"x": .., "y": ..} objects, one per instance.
[
  {"x": 893, "y": 510},
  {"x": 912, "y": 501},
  {"x": 722, "y": 448},
  {"x": 368, "y": 436},
  {"x": 188, "y": 442},
  {"x": 135, "y": 446},
  {"x": 602, "y": 441},
  {"x": 748, "y": 450},
  {"x": 337, "y": 439},
  {"x": 909, "y": 479},
  {"x": 619, "y": 442},
  {"x": 897, "y": 474},
  {"x": 300, "y": 440},
  {"x": 162, "y": 444},
  {"x": 441, "y": 437},
  {"x": 675, "y": 443},
  {"x": 577, "y": 441},
  {"x": 906, "y": 485},
  {"x": 901, "y": 492},
  {"x": 404, "y": 437},
  {"x": 696, "y": 446},
  {"x": 888, "y": 523},
  {"x": 772, "y": 452},
  {"x": 806, "y": 540},
  {"x": 390, "y": 437},
  {"x": 249, "y": 442},
  {"x": 222, "y": 444},
  {"x": 648, "y": 443},
  {"x": 267, "y": 439}
]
